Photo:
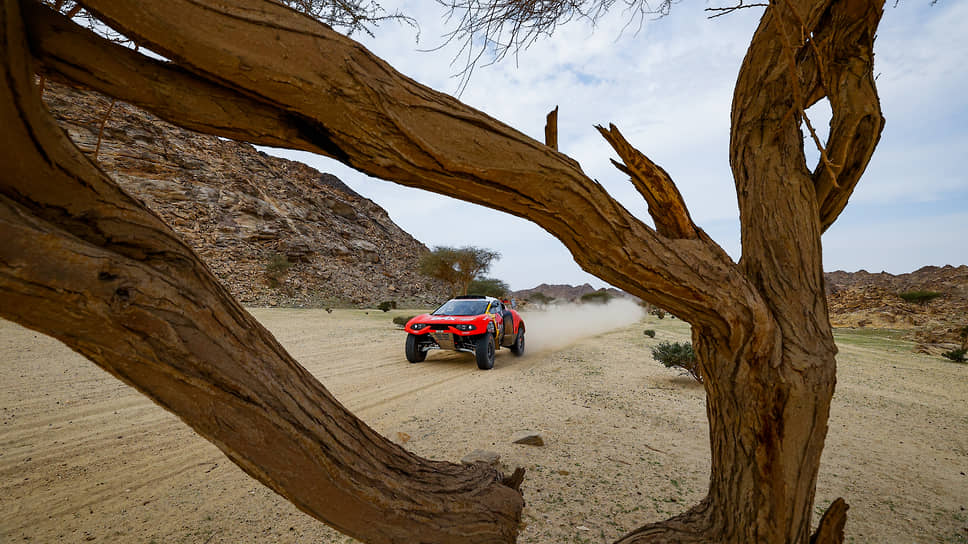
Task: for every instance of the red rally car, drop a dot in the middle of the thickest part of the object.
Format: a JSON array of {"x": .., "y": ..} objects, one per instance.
[{"x": 472, "y": 323}]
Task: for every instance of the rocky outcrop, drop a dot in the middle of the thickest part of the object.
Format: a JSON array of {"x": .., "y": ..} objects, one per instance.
[
  {"x": 864, "y": 299},
  {"x": 274, "y": 231}
]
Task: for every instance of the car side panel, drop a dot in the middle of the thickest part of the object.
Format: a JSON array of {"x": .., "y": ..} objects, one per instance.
[{"x": 518, "y": 321}]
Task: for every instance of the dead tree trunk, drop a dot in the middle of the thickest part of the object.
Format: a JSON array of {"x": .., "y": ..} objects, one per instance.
[
  {"x": 760, "y": 326},
  {"x": 768, "y": 405},
  {"x": 89, "y": 265}
]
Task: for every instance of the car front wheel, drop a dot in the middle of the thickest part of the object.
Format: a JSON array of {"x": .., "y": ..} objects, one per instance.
[
  {"x": 484, "y": 351},
  {"x": 414, "y": 353}
]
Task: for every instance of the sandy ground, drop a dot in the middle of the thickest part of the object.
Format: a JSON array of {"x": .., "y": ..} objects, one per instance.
[{"x": 85, "y": 458}]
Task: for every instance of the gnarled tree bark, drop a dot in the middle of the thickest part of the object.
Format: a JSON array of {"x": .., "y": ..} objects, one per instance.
[
  {"x": 269, "y": 75},
  {"x": 86, "y": 263}
]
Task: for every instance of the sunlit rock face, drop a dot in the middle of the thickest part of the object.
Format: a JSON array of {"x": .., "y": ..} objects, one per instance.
[{"x": 275, "y": 232}]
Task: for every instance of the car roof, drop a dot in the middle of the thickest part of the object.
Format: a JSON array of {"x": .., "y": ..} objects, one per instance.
[{"x": 474, "y": 297}]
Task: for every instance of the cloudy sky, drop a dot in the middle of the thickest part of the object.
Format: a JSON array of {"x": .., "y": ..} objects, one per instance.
[{"x": 668, "y": 88}]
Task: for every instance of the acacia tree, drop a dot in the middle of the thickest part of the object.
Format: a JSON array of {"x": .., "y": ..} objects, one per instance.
[
  {"x": 84, "y": 262},
  {"x": 457, "y": 266}
]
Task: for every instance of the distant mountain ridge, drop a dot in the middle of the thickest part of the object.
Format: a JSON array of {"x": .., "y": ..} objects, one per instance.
[
  {"x": 274, "y": 231},
  {"x": 865, "y": 299},
  {"x": 564, "y": 292}
]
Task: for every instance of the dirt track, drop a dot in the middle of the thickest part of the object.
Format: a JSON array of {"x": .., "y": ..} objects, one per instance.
[{"x": 85, "y": 458}]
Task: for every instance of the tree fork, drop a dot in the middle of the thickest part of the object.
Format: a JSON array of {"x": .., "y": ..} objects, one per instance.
[
  {"x": 666, "y": 205},
  {"x": 760, "y": 327},
  {"x": 381, "y": 128},
  {"x": 87, "y": 264},
  {"x": 83, "y": 58}
]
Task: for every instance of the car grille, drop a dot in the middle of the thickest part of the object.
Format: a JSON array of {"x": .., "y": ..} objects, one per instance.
[
  {"x": 440, "y": 327},
  {"x": 444, "y": 340}
]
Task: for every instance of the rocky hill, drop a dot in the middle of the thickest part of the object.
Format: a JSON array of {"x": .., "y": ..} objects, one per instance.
[
  {"x": 275, "y": 232},
  {"x": 565, "y": 293},
  {"x": 863, "y": 299}
]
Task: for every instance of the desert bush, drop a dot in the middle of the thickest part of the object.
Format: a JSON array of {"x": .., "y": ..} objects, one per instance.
[
  {"x": 401, "y": 320},
  {"x": 650, "y": 333},
  {"x": 659, "y": 312},
  {"x": 678, "y": 355},
  {"x": 387, "y": 305},
  {"x": 598, "y": 297},
  {"x": 956, "y": 355},
  {"x": 919, "y": 296},
  {"x": 540, "y": 298}
]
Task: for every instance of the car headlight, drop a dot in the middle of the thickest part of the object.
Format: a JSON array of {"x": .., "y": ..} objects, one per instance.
[
  {"x": 418, "y": 326},
  {"x": 465, "y": 327}
]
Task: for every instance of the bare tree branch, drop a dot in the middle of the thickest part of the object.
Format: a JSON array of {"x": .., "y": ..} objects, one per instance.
[
  {"x": 350, "y": 15},
  {"x": 666, "y": 205},
  {"x": 720, "y": 11},
  {"x": 786, "y": 32},
  {"x": 375, "y": 120},
  {"x": 830, "y": 54},
  {"x": 178, "y": 96},
  {"x": 844, "y": 38},
  {"x": 88, "y": 264},
  {"x": 493, "y": 28},
  {"x": 551, "y": 129}
]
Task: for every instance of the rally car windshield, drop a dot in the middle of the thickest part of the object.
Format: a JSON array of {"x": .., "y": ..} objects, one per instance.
[{"x": 462, "y": 307}]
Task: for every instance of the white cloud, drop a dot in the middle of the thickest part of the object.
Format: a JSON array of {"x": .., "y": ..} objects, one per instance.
[{"x": 668, "y": 88}]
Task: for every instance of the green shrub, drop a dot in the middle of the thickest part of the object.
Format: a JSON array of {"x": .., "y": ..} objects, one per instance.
[
  {"x": 598, "y": 297},
  {"x": 650, "y": 333},
  {"x": 919, "y": 296},
  {"x": 401, "y": 320},
  {"x": 956, "y": 355},
  {"x": 387, "y": 305},
  {"x": 540, "y": 298},
  {"x": 678, "y": 355}
]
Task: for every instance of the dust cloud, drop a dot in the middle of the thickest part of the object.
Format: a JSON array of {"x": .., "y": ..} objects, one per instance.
[{"x": 560, "y": 325}]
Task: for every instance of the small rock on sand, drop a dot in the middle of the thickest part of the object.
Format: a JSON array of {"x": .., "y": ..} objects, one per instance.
[
  {"x": 529, "y": 438},
  {"x": 481, "y": 456}
]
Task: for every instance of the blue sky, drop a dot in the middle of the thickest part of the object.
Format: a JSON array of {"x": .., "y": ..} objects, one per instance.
[{"x": 668, "y": 88}]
